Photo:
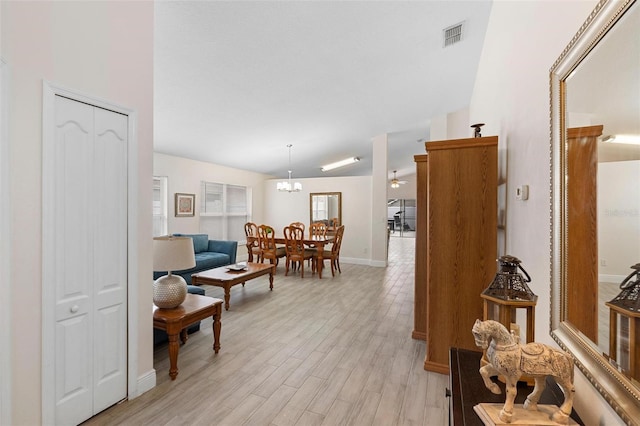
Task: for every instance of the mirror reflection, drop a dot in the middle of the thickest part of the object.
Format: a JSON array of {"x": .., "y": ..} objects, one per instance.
[
  {"x": 326, "y": 207},
  {"x": 602, "y": 108},
  {"x": 597, "y": 201}
]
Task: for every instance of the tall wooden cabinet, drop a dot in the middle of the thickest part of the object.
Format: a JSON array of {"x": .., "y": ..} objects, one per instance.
[
  {"x": 456, "y": 242},
  {"x": 582, "y": 229}
]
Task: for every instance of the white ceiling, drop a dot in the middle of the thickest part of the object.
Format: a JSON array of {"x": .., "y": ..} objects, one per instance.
[{"x": 235, "y": 82}]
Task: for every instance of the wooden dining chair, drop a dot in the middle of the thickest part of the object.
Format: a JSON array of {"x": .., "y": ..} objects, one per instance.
[
  {"x": 318, "y": 229},
  {"x": 268, "y": 248},
  {"x": 298, "y": 225},
  {"x": 334, "y": 253},
  {"x": 303, "y": 227},
  {"x": 294, "y": 247},
  {"x": 253, "y": 241}
]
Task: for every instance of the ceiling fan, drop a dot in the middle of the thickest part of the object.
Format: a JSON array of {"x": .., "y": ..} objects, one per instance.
[{"x": 395, "y": 183}]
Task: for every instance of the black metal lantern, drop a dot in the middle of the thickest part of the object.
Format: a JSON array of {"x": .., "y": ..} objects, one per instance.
[
  {"x": 629, "y": 297},
  {"x": 508, "y": 284}
]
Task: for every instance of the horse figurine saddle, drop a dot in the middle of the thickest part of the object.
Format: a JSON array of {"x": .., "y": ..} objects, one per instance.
[{"x": 534, "y": 359}]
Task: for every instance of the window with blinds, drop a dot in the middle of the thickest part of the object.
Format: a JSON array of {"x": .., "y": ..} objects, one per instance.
[
  {"x": 224, "y": 210},
  {"x": 160, "y": 213}
]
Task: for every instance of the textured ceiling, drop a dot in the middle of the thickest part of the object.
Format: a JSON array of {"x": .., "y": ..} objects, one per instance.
[{"x": 235, "y": 82}]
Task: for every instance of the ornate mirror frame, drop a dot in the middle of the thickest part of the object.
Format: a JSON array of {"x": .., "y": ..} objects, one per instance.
[{"x": 615, "y": 387}]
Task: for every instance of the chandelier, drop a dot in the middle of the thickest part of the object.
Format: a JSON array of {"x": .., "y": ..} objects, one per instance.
[{"x": 287, "y": 185}]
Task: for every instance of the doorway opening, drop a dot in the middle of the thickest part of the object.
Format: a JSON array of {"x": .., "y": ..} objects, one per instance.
[{"x": 401, "y": 217}]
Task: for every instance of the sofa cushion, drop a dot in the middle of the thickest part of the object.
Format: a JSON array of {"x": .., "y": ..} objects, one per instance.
[
  {"x": 200, "y": 242},
  {"x": 209, "y": 260}
]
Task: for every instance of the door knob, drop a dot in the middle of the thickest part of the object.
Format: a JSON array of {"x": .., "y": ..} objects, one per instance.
[{"x": 74, "y": 309}]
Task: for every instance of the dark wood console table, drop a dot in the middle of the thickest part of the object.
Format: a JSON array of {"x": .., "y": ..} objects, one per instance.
[{"x": 466, "y": 389}]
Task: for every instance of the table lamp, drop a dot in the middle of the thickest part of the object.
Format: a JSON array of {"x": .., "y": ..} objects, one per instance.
[{"x": 171, "y": 254}]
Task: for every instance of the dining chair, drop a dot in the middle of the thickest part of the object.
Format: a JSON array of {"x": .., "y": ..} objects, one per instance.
[
  {"x": 318, "y": 229},
  {"x": 303, "y": 227},
  {"x": 298, "y": 225},
  {"x": 253, "y": 241},
  {"x": 294, "y": 247},
  {"x": 268, "y": 248},
  {"x": 334, "y": 253}
]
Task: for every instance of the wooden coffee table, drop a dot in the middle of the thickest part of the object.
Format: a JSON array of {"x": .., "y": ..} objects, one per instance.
[
  {"x": 175, "y": 322},
  {"x": 226, "y": 278}
]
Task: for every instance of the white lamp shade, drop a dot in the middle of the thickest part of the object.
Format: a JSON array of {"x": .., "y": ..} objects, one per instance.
[{"x": 173, "y": 253}]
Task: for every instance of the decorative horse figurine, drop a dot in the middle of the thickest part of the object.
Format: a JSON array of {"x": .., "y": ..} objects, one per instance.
[{"x": 507, "y": 357}]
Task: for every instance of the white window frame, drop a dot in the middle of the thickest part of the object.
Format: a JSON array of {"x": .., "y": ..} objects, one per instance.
[
  {"x": 164, "y": 205},
  {"x": 223, "y": 213}
]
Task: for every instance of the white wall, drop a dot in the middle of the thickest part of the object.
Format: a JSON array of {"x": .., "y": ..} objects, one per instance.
[
  {"x": 378, "y": 208},
  {"x": 282, "y": 208},
  {"x": 511, "y": 95},
  {"x": 185, "y": 176},
  {"x": 453, "y": 125},
  {"x": 103, "y": 49},
  {"x": 618, "y": 218},
  {"x": 458, "y": 125}
]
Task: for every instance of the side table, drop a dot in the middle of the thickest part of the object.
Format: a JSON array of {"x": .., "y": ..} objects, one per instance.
[{"x": 175, "y": 322}]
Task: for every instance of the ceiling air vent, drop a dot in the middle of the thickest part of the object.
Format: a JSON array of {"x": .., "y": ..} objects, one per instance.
[{"x": 453, "y": 34}]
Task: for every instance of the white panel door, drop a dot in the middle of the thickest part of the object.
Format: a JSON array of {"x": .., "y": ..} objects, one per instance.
[
  {"x": 90, "y": 268},
  {"x": 110, "y": 259}
]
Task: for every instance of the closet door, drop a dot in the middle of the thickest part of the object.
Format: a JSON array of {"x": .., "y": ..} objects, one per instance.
[{"x": 90, "y": 270}]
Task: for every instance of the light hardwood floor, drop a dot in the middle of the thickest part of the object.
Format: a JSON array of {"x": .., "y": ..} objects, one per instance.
[{"x": 336, "y": 351}]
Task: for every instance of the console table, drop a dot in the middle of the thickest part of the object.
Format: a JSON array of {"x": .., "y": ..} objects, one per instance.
[
  {"x": 466, "y": 389},
  {"x": 175, "y": 322}
]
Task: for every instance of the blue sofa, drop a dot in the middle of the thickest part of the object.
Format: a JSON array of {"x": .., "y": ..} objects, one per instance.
[{"x": 209, "y": 254}]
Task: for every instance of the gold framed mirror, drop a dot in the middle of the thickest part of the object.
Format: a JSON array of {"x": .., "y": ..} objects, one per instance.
[
  {"x": 325, "y": 206},
  {"x": 595, "y": 198}
]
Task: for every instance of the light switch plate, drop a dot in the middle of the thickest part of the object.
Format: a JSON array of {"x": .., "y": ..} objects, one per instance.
[{"x": 522, "y": 192}]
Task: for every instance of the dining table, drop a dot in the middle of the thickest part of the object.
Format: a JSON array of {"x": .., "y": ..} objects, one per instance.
[{"x": 316, "y": 241}]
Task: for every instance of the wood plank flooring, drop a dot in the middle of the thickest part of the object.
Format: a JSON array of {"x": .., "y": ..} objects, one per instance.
[{"x": 336, "y": 351}]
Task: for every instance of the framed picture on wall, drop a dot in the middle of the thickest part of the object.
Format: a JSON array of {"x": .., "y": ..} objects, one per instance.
[{"x": 185, "y": 204}]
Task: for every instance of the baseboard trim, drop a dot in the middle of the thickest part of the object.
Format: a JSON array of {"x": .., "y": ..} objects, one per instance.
[
  {"x": 419, "y": 335},
  {"x": 607, "y": 278},
  {"x": 360, "y": 261},
  {"x": 345, "y": 260},
  {"x": 146, "y": 382}
]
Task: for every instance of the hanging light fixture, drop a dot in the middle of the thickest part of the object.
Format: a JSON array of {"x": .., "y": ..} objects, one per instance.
[
  {"x": 394, "y": 182},
  {"x": 287, "y": 185}
]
